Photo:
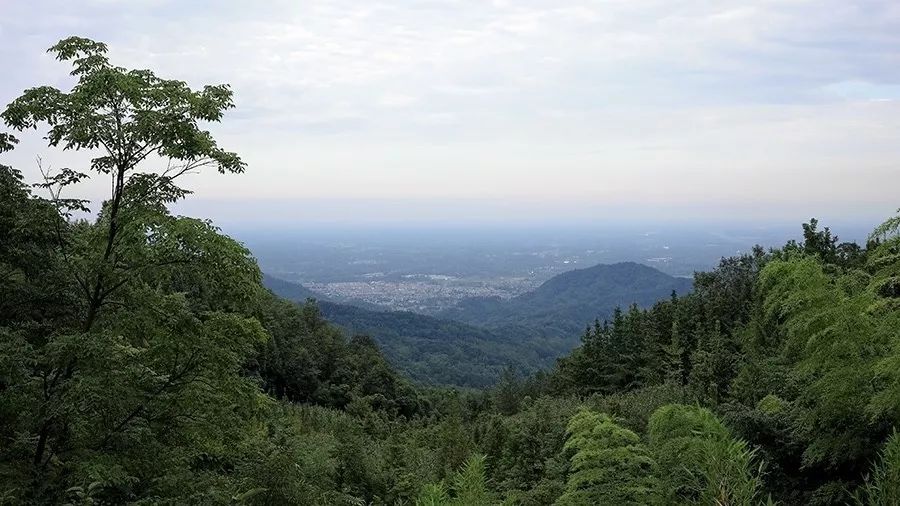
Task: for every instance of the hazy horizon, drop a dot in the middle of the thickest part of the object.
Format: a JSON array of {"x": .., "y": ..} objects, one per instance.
[
  {"x": 483, "y": 214},
  {"x": 510, "y": 112}
]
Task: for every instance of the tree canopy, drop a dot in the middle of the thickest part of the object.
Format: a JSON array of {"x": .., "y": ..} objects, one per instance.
[{"x": 142, "y": 361}]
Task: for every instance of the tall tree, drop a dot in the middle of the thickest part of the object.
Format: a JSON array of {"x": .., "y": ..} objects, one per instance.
[
  {"x": 704, "y": 463},
  {"x": 128, "y": 115},
  {"x": 148, "y": 329},
  {"x": 609, "y": 464}
]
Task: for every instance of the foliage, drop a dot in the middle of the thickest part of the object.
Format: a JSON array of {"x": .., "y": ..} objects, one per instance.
[
  {"x": 436, "y": 351},
  {"x": 307, "y": 360},
  {"x": 609, "y": 464},
  {"x": 467, "y": 487},
  {"x": 882, "y": 488},
  {"x": 525, "y": 451},
  {"x": 634, "y": 408},
  {"x": 143, "y": 362},
  {"x": 704, "y": 464}
]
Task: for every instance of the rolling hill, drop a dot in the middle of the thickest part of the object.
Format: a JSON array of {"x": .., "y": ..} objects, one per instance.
[
  {"x": 564, "y": 304},
  {"x": 471, "y": 344},
  {"x": 288, "y": 290},
  {"x": 444, "y": 352},
  {"x": 431, "y": 350}
]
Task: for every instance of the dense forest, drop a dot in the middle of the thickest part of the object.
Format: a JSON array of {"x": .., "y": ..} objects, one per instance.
[
  {"x": 472, "y": 344},
  {"x": 434, "y": 351},
  {"x": 142, "y": 360}
]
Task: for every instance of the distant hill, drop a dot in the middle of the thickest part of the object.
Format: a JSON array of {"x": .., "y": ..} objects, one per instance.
[
  {"x": 444, "y": 352},
  {"x": 564, "y": 304},
  {"x": 472, "y": 343},
  {"x": 288, "y": 290},
  {"x": 431, "y": 350}
]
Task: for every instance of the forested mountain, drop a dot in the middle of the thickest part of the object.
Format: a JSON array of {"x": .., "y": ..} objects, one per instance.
[
  {"x": 288, "y": 290},
  {"x": 526, "y": 333},
  {"x": 444, "y": 352},
  {"x": 562, "y": 305},
  {"x": 143, "y": 362},
  {"x": 435, "y": 351}
]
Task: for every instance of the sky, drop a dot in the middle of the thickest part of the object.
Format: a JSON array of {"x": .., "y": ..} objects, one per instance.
[{"x": 478, "y": 110}]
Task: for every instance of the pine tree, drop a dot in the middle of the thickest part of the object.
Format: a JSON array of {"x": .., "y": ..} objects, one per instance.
[
  {"x": 507, "y": 393},
  {"x": 674, "y": 358},
  {"x": 468, "y": 487}
]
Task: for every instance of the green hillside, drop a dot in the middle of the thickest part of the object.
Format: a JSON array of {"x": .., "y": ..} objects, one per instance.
[
  {"x": 290, "y": 291},
  {"x": 526, "y": 334},
  {"x": 143, "y": 362},
  {"x": 435, "y": 351},
  {"x": 564, "y": 304}
]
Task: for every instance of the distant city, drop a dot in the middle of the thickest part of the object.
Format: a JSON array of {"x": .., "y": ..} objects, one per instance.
[{"x": 423, "y": 293}]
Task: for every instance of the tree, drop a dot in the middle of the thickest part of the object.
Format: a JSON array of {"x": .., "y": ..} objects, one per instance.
[
  {"x": 433, "y": 494},
  {"x": 524, "y": 451},
  {"x": 714, "y": 366},
  {"x": 30, "y": 274},
  {"x": 704, "y": 463},
  {"x": 507, "y": 393},
  {"x": 470, "y": 483},
  {"x": 130, "y": 359},
  {"x": 833, "y": 344},
  {"x": 820, "y": 243},
  {"x": 609, "y": 464},
  {"x": 882, "y": 487},
  {"x": 129, "y": 115},
  {"x": 884, "y": 263},
  {"x": 468, "y": 486},
  {"x": 674, "y": 358}
]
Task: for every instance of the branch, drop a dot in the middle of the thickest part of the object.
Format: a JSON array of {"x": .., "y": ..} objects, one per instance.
[
  {"x": 172, "y": 381},
  {"x": 107, "y": 292},
  {"x": 54, "y": 195}
]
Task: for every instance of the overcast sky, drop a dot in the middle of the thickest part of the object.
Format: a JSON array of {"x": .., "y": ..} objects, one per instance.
[{"x": 521, "y": 108}]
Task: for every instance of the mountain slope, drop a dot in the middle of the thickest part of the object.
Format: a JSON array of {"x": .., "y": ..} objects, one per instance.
[
  {"x": 564, "y": 304},
  {"x": 474, "y": 342},
  {"x": 445, "y": 352},
  {"x": 288, "y": 290},
  {"x": 431, "y": 350}
]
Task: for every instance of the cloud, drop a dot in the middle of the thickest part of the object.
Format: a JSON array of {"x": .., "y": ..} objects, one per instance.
[
  {"x": 431, "y": 92},
  {"x": 862, "y": 90},
  {"x": 392, "y": 100}
]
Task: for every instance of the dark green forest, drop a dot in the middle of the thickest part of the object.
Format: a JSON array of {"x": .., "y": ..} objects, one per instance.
[
  {"x": 527, "y": 333},
  {"x": 561, "y": 305},
  {"x": 143, "y": 362},
  {"x": 440, "y": 352}
]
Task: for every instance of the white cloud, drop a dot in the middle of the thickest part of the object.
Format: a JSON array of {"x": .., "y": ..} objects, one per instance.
[
  {"x": 641, "y": 100},
  {"x": 398, "y": 100}
]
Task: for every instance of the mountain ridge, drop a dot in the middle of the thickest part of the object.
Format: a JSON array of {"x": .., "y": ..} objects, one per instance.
[
  {"x": 567, "y": 302},
  {"x": 526, "y": 333}
]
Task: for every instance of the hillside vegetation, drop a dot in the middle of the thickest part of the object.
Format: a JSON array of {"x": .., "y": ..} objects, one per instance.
[
  {"x": 143, "y": 362},
  {"x": 562, "y": 304},
  {"x": 435, "y": 351},
  {"x": 525, "y": 334}
]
